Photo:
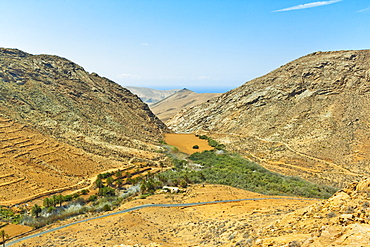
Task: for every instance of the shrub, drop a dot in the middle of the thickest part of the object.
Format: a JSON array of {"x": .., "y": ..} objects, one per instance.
[
  {"x": 119, "y": 182},
  {"x": 144, "y": 196},
  {"x": 106, "y": 207},
  {"x": 106, "y": 175},
  {"x": 68, "y": 198},
  {"x": 85, "y": 192},
  {"x": 106, "y": 191},
  {"x": 331, "y": 215},
  {"x": 110, "y": 181},
  {"x": 195, "y": 147},
  {"x": 50, "y": 209},
  {"x": 80, "y": 201},
  {"x": 92, "y": 198},
  {"x": 183, "y": 184},
  {"x": 118, "y": 174},
  {"x": 75, "y": 195}
]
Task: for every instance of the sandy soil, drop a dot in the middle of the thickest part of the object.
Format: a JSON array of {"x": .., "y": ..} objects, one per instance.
[
  {"x": 185, "y": 143},
  {"x": 14, "y": 230},
  {"x": 224, "y": 224}
]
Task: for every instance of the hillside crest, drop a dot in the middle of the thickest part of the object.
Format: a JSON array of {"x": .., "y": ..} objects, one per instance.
[{"x": 312, "y": 110}]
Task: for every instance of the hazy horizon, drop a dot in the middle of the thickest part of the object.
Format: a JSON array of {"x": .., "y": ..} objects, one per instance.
[{"x": 194, "y": 89}]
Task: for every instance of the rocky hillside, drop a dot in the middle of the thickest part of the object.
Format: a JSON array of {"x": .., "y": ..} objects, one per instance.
[
  {"x": 308, "y": 117},
  {"x": 60, "y": 99},
  {"x": 151, "y": 96},
  {"x": 185, "y": 98},
  {"x": 61, "y": 126},
  {"x": 342, "y": 220}
]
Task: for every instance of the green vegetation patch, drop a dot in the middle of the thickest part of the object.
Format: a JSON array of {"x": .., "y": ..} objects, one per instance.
[
  {"x": 212, "y": 142},
  {"x": 220, "y": 167}
]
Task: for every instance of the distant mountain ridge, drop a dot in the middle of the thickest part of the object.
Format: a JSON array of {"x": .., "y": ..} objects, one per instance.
[
  {"x": 149, "y": 95},
  {"x": 309, "y": 117},
  {"x": 185, "y": 98}
]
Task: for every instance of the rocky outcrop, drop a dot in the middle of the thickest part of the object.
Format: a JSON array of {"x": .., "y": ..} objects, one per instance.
[
  {"x": 306, "y": 113},
  {"x": 61, "y": 99},
  {"x": 342, "y": 220}
]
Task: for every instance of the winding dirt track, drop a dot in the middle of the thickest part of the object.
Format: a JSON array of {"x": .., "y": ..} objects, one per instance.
[
  {"x": 147, "y": 206},
  {"x": 331, "y": 164}
]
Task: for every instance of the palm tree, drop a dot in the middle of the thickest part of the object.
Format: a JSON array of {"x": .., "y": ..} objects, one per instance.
[
  {"x": 60, "y": 199},
  {"x": 3, "y": 235},
  {"x": 99, "y": 183},
  {"x": 54, "y": 200},
  {"x": 47, "y": 202},
  {"x": 36, "y": 210}
]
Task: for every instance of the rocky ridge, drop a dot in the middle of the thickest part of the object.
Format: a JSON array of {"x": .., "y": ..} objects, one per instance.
[
  {"x": 307, "y": 117},
  {"x": 60, "y": 99},
  {"x": 185, "y": 98}
]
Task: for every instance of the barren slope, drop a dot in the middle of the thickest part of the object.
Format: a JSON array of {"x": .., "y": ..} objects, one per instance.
[
  {"x": 309, "y": 115},
  {"x": 151, "y": 96},
  {"x": 170, "y": 106},
  {"x": 61, "y": 99}
]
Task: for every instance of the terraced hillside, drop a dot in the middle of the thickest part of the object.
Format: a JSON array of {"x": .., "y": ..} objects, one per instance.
[{"x": 33, "y": 163}]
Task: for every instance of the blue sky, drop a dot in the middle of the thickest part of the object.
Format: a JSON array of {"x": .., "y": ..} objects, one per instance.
[{"x": 203, "y": 45}]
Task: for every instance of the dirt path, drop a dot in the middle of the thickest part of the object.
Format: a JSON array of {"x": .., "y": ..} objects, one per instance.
[
  {"x": 12, "y": 182},
  {"x": 202, "y": 212},
  {"x": 182, "y": 205},
  {"x": 345, "y": 171},
  {"x": 331, "y": 164},
  {"x": 285, "y": 164}
]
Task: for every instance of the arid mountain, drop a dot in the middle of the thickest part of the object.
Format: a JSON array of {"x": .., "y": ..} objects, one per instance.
[
  {"x": 185, "y": 98},
  {"x": 60, "y": 125},
  {"x": 309, "y": 117},
  {"x": 61, "y": 99},
  {"x": 149, "y": 95}
]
